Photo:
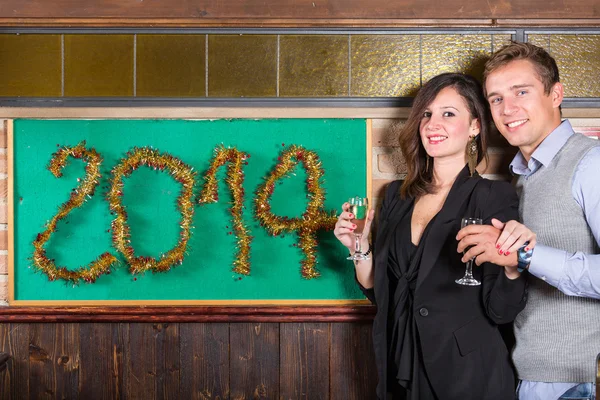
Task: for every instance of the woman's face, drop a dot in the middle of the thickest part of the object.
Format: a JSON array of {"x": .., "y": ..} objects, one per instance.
[{"x": 446, "y": 125}]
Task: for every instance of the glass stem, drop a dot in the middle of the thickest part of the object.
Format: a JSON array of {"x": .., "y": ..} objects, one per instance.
[
  {"x": 469, "y": 272},
  {"x": 357, "y": 243}
]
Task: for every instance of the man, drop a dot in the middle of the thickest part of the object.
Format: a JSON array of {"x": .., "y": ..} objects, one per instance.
[{"x": 558, "y": 332}]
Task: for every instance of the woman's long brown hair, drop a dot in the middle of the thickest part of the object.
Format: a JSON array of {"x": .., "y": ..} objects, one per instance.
[{"x": 419, "y": 179}]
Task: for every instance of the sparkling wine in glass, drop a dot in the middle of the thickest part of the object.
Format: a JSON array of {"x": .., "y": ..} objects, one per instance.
[
  {"x": 359, "y": 206},
  {"x": 468, "y": 279}
]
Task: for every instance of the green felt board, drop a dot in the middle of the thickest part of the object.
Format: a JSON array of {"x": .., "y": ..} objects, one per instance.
[{"x": 149, "y": 196}]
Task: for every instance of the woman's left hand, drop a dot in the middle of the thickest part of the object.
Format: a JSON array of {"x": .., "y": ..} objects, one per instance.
[{"x": 513, "y": 237}]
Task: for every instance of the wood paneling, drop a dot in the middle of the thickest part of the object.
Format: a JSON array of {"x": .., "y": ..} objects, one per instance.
[
  {"x": 204, "y": 361},
  {"x": 14, "y": 340},
  {"x": 289, "y": 9},
  {"x": 54, "y": 361},
  {"x": 352, "y": 365},
  {"x": 102, "y": 354},
  {"x": 254, "y": 361},
  {"x": 304, "y": 359},
  {"x": 216, "y": 361}
]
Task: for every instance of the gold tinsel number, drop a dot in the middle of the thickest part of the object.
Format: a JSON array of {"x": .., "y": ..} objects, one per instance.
[
  {"x": 78, "y": 196},
  {"x": 235, "y": 182},
  {"x": 312, "y": 220},
  {"x": 183, "y": 174}
]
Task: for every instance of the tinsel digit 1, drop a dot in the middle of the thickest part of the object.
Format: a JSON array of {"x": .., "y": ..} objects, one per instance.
[
  {"x": 79, "y": 195},
  {"x": 312, "y": 220},
  {"x": 183, "y": 174},
  {"x": 235, "y": 182}
]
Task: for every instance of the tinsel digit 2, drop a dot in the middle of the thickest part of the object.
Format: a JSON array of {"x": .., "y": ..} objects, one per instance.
[
  {"x": 312, "y": 220},
  {"x": 183, "y": 174},
  {"x": 78, "y": 196},
  {"x": 235, "y": 182}
]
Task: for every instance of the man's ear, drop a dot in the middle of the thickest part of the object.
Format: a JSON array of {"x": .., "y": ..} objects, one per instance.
[{"x": 557, "y": 94}]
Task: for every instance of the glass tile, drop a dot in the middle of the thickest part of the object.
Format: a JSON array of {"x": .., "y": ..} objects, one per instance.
[
  {"x": 242, "y": 65},
  {"x": 455, "y": 53},
  {"x": 542, "y": 41},
  {"x": 385, "y": 65},
  {"x": 578, "y": 60},
  {"x": 313, "y": 66},
  {"x": 171, "y": 65},
  {"x": 98, "y": 65},
  {"x": 500, "y": 40},
  {"x": 30, "y": 65}
]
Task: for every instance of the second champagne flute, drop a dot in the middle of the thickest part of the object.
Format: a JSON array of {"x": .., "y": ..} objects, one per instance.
[{"x": 359, "y": 206}]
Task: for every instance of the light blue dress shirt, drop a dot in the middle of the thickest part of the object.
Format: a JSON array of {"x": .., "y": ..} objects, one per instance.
[{"x": 575, "y": 274}]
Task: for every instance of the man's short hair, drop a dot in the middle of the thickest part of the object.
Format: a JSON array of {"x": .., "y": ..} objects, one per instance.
[{"x": 543, "y": 62}]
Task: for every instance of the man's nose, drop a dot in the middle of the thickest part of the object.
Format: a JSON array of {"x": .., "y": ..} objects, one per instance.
[{"x": 509, "y": 107}]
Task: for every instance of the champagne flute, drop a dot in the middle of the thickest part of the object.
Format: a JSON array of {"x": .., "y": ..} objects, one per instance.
[
  {"x": 468, "y": 279},
  {"x": 359, "y": 207}
]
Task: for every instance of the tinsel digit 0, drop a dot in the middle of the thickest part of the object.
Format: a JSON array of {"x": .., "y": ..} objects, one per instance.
[
  {"x": 183, "y": 174},
  {"x": 235, "y": 182},
  {"x": 79, "y": 195},
  {"x": 312, "y": 220}
]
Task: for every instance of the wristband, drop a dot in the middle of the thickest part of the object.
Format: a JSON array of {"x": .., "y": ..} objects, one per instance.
[{"x": 366, "y": 253}]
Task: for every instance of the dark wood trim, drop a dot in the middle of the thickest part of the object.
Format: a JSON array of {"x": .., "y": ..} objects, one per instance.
[
  {"x": 375, "y": 23},
  {"x": 187, "y": 314},
  {"x": 301, "y": 9},
  {"x": 201, "y": 13}
]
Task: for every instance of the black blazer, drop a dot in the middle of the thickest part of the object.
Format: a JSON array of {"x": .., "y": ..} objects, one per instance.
[{"x": 463, "y": 352}]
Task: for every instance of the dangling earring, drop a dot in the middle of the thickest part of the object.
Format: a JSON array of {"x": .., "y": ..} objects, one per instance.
[
  {"x": 427, "y": 162},
  {"x": 472, "y": 155}
]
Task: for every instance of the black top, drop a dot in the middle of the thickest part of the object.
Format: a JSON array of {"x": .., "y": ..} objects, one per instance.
[
  {"x": 462, "y": 355},
  {"x": 407, "y": 377}
]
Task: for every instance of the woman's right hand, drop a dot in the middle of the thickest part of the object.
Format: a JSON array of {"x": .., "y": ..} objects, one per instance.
[{"x": 344, "y": 228}]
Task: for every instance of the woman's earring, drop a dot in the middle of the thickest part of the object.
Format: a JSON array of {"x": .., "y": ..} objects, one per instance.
[
  {"x": 427, "y": 162},
  {"x": 472, "y": 155}
]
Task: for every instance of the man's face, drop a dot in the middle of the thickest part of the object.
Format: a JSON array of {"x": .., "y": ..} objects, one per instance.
[{"x": 522, "y": 111}]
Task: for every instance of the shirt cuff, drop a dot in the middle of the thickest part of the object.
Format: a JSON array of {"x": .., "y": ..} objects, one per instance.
[{"x": 547, "y": 264}]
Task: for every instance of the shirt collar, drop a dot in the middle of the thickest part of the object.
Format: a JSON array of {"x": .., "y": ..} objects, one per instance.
[{"x": 543, "y": 155}]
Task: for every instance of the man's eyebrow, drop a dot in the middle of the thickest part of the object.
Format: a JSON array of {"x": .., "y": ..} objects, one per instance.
[{"x": 513, "y": 87}]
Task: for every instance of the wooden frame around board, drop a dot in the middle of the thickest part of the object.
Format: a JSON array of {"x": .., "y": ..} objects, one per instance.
[{"x": 244, "y": 307}]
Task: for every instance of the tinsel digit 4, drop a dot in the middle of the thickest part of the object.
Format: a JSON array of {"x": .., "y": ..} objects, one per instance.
[
  {"x": 79, "y": 195},
  {"x": 183, "y": 174},
  {"x": 235, "y": 182},
  {"x": 312, "y": 220}
]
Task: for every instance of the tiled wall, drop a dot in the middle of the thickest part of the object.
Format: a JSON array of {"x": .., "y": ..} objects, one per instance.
[{"x": 240, "y": 65}]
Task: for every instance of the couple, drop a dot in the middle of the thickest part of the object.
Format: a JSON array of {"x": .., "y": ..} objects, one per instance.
[{"x": 435, "y": 339}]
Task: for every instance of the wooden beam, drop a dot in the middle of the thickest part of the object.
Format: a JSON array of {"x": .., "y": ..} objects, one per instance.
[
  {"x": 187, "y": 314},
  {"x": 203, "y": 13}
]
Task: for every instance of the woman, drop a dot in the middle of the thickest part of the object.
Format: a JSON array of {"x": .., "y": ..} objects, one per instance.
[{"x": 433, "y": 338}]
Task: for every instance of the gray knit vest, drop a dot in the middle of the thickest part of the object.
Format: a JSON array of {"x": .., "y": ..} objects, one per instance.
[{"x": 558, "y": 336}]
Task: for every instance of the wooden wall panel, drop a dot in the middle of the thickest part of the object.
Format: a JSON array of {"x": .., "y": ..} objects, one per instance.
[
  {"x": 254, "y": 361},
  {"x": 352, "y": 366},
  {"x": 304, "y": 358},
  {"x": 103, "y": 355},
  {"x": 140, "y": 369},
  {"x": 54, "y": 361},
  {"x": 14, "y": 340},
  {"x": 168, "y": 365},
  {"x": 204, "y": 353}
]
